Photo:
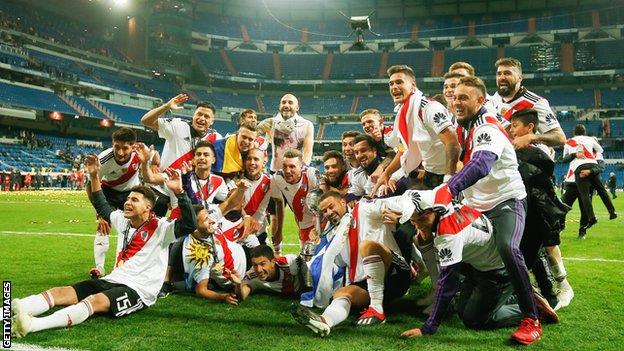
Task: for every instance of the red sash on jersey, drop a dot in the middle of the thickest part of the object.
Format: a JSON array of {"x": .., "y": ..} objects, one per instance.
[
  {"x": 299, "y": 198},
  {"x": 288, "y": 285},
  {"x": 187, "y": 157},
  {"x": 133, "y": 167},
  {"x": 586, "y": 152},
  {"x": 455, "y": 222},
  {"x": 467, "y": 142},
  {"x": 258, "y": 195},
  {"x": 228, "y": 259},
  {"x": 139, "y": 239},
  {"x": 210, "y": 187},
  {"x": 403, "y": 123},
  {"x": 345, "y": 180},
  {"x": 354, "y": 242},
  {"x": 522, "y": 105}
]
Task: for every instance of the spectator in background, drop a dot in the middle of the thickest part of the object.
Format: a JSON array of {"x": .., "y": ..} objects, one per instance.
[
  {"x": 27, "y": 181},
  {"x": 612, "y": 184},
  {"x": 16, "y": 179},
  {"x": 38, "y": 180}
]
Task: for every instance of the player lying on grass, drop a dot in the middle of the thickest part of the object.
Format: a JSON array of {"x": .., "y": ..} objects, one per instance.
[
  {"x": 376, "y": 270},
  {"x": 142, "y": 248},
  {"x": 466, "y": 246}
]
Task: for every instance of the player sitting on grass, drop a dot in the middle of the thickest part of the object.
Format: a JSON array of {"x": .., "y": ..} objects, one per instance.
[
  {"x": 466, "y": 246},
  {"x": 141, "y": 259},
  {"x": 376, "y": 271}
]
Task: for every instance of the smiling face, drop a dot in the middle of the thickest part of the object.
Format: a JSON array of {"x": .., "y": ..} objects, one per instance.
[
  {"x": 249, "y": 117},
  {"x": 289, "y": 105},
  {"x": 205, "y": 225},
  {"x": 333, "y": 209},
  {"x": 264, "y": 268},
  {"x": 245, "y": 139},
  {"x": 122, "y": 150},
  {"x": 136, "y": 205},
  {"x": 400, "y": 86},
  {"x": 202, "y": 119},
  {"x": 508, "y": 79},
  {"x": 203, "y": 158},
  {"x": 518, "y": 128},
  {"x": 365, "y": 153},
  {"x": 372, "y": 124},
  {"x": 334, "y": 168},
  {"x": 292, "y": 169},
  {"x": 347, "y": 148},
  {"x": 448, "y": 89},
  {"x": 468, "y": 100},
  {"x": 255, "y": 163}
]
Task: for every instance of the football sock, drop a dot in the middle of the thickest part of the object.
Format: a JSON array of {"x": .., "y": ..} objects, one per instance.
[
  {"x": 66, "y": 317},
  {"x": 37, "y": 304},
  {"x": 100, "y": 248},
  {"x": 337, "y": 311},
  {"x": 375, "y": 274},
  {"x": 431, "y": 261}
]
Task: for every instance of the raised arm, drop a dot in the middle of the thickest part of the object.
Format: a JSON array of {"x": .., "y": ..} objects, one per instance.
[
  {"x": 187, "y": 224},
  {"x": 150, "y": 119},
  {"x": 104, "y": 210},
  {"x": 147, "y": 171},
  {"x": 308, "y": 145}
]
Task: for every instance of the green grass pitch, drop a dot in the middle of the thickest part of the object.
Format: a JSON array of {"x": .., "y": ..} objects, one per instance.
[{"x": 36, "y": 254}]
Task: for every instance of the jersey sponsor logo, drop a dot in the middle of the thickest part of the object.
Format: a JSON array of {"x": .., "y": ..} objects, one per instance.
[
  {"x": 445, "y": 255},
  {"x": 550, "y": 118},
  {"x": 439, "y": 118},
  {"x": 484, "y": 139}
]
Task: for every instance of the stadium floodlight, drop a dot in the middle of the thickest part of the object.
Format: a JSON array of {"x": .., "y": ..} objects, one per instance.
[
  {"x": 359, "y": 24},
  {"x": 120, "y": 3}
]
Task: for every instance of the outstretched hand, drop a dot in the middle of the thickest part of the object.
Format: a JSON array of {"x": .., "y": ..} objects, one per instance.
[
  {"x": 176, "y": 102},
  {"x": 92, "y": 165},
  {"x": 142, "y": 151},
  {"x": 174, "y": 181}
]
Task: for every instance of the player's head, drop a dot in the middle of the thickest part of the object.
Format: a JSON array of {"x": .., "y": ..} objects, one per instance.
[
  {"x": 372, "y": 123},
  {"x": 254, "y": 163},
  {"x": 523, "y": 122},
  {"x": 246, "y": 136},
  {"x": 248, "y": 116},
  {"x": 289, "y": 105},
  {"x": 204, "y": 156},
  {"x": 205, "y": 223},
  {"x": 508, "y": 76},
  {"x": 402, "y": 82},
  {"x": 463, "y": 68},
  {"x": 203, "y": 117},
  {"x": 139, "y": 202},
  {"x": 332, "y": 206},
  {"x": 579, "y": 129},
  {"x": 347, "y": 144},
  {"x": 263, "y": 262},
  {"x": 451, "y": 79},
  {"x": 364, "y": 149},
  {"x": 469, "y": 97},
  {"x": 335, "y": 166},
  {"x": 123, "y": 140},
  {"x": 292, "y": 166}
]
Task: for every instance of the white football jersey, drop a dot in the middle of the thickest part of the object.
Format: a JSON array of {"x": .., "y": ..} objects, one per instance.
[
  {"x": 523, "y": 100},
  {"x": 119, "y": 177},
  {"x": 360, "y": 183},
  {"x": 199, "y": 264},
  {"x": 287, "y": 134},
  {"x": 295, "y": 194},
  {"x": 433, "y": 118},
  {"x": 504, "y": 181},
  {"x": 257, "y": 198},
  {"x": 288, "y": 281},
  {"x": 143, "y": 263},
  {"x": 179, "y": 142},
  {"x": 581, "y": 143}
]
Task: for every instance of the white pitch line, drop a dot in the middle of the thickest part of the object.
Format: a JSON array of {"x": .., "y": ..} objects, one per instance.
[
  {"x": 592, "y": 259},
  {"x": 29, "y": 347},
  {"x": 12, "y": 232}
]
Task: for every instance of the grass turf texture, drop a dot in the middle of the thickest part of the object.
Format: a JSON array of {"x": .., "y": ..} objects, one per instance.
[{"x": 593, "y": 321}]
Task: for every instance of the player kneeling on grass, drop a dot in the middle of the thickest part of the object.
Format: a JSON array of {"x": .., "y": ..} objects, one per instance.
[
  {"x": 283, "y": 274},
  {"x": 142, "y": 249},
  {"x": 466, "y": 246},
  {"x": 376, "y": 271}
]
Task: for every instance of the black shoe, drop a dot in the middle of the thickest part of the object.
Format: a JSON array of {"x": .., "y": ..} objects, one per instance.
[
  {"x": 582, "y": 233},
  {"x": 612, "y": 215},
  {"x": 166, "y": 289},
  {"x": 591, "y": 223}
]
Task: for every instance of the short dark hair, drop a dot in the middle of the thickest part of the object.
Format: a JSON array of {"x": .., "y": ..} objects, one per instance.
[
  {"x": 206, "y": 104},
  {"x": 459, "y": 65},
  {"x": 474, "y": 82},
  {"x": 579, "y": 129},
  {"x": 198, "y": 208},
  {"x": 249, "y": 126},
  {"x": 367, "y": 138},
  {"x": 207, "y": 144},
  {"x": 262, "y": 251},
  {"x": 405, "y": 69},
  {"x": 449, "y": 75},
  {"x": 330, "y": 193},
  {"x": 146, "y": 192},
  {"x": 510, "y": 62},
  {"x": 526, "y": 116},
  {"x": 333, "y": 154},
  {"x": 349, "y": 134},
  {"x": 124, "y": 134}
]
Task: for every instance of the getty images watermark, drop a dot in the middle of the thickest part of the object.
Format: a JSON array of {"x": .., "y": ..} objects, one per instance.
[{"x": 6, "y": 314}]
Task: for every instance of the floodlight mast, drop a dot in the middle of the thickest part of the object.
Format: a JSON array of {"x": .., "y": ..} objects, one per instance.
[{"x": 359, "y": 24}]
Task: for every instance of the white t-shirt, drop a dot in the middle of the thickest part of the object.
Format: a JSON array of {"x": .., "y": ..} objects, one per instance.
[
  {"x": 525, "y": 100},
  {"x": 199, "y": 262},
  {"x": 143, "y": 266},
  {"x": 119, "y": 177},
  {"x": 287, "y": 283},
  {"x": 504, "y": 181},
  {"x": 295, "y": 194},
  {"x": 581, "y": 143},
  {"x": 287, "y": 134}
]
